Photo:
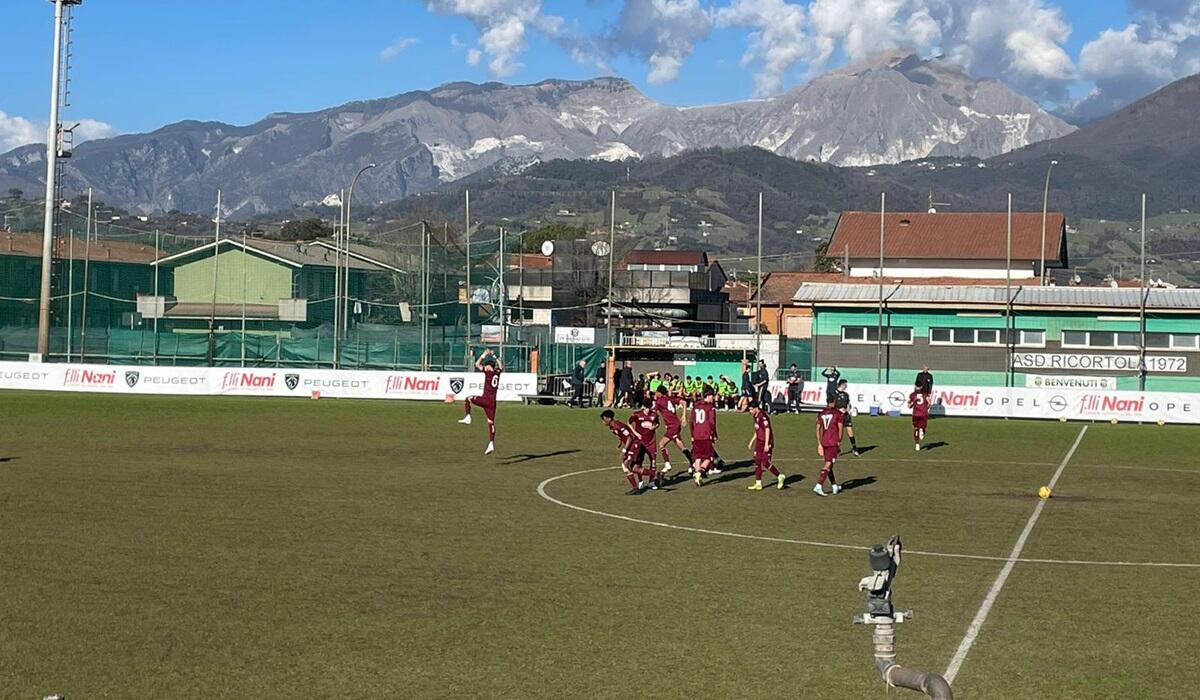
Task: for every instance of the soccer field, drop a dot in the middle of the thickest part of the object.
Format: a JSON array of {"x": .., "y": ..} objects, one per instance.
[{"x": 225, "y": 547}]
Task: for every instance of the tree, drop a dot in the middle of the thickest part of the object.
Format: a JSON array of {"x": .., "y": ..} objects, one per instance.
[
  {"x": 305, "y": 230},
  {"x": 532, "y": 240},
  {"x": 821, "y": 260}
]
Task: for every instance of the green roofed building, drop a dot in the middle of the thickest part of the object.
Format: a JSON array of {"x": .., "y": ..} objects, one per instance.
[
  {"x": 273, "y": 284},
  {"x": 1090, "y": 335}
]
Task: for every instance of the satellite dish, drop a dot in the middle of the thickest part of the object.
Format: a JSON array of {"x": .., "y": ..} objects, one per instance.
[
  {"x": 548, "y": 248},
  {"x": 601, "y": 248}
]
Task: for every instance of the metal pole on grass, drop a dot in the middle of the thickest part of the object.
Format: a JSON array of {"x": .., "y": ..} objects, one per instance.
[
  {"x": 346, "y": 276},
  {"x": 1008, "y": 296},
  {"x": 879, "y": 329},
  {"x": 758, "y": 287},
  {"x": 338, "y": 234},
  {"x": 70, "y": 291},
  {"x": 612, "y": 251},
  {"x": 156, "y": 313},
  {"x": 467, "y": 344},
  {"x": 87, "y": 260},
  {"x": 212, "y": 319},
  {"x": 1145, "y": 291},
  {"x": 245, "y": 259}
]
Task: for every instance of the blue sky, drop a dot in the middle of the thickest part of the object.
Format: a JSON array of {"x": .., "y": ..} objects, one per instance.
[{"x": 139, "y": 65}]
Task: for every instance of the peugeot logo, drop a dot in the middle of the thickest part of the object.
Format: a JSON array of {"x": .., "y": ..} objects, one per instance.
[
  {"x": 456, "y": 384},
  {"x": 131, "y": 378},
  {"x": 291, "y": 380},
  {"x": 1058, "y": 403}
]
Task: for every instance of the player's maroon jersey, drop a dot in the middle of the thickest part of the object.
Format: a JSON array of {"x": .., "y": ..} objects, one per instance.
[
  {"x": 829, "y": 420},
  {"x": 703, "y": 421},
  {"x": 623, "y": 432},
  {"x": 491, "y": 381},
  {"x": 762, "y": 424},
  {"x": 644, "y": 423},
  {"x": 919, "y": 403},
  {"x": 666, "y": 411}
]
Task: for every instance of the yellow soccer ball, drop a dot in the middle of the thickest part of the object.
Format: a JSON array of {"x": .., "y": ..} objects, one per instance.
[
  {"x": 1161, "y": 421},
  {"x": 1113, "y": 421},
  {"x": 1062, "y": 419},
  {"x": 1044, "y": 492}
]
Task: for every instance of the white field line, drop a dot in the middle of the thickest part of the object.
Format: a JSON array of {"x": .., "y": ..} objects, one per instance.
[
  {"x": 541, "y": 490},
  {"x": 989, "y": 600}
]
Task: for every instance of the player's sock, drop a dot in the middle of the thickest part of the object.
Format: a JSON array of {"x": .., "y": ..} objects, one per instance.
[
  {"x": 687, "y": 454},
  {"x": 757, "y": 472},
  {"x": 853, "y": 444},
  {"x": 491, "y": 431},
  {"x": 632, "y": 481}
]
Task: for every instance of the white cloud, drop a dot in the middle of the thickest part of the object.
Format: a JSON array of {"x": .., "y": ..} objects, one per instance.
[
  {"x": 17, "y": 131},
  {"x": 502, "y": 26},
  {"x": 1019, "y": 41},
  {"x": 396, "y": 48},
  {"x": 1126, "y": 64},
  {"x": 778, "y": 39},
  {"x": 662, "y": 32}
]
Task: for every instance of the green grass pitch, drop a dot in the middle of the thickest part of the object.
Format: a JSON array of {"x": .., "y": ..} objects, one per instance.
[{"x": 224, "y": 547}]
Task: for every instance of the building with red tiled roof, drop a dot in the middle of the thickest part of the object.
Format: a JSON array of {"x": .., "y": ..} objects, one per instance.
[{"x": 959, "y": 244}]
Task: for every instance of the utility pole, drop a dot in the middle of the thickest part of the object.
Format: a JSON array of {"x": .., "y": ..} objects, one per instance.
[
  {"x": 1145, "y": 292},
  {"x": 879, "y": 346},
  {"x": 338, "y": 234},
  {"x": 87, "y": 260},
  {"x": 1045, "y": 205},
  {"x": 212, "y": 319},
  {"x": 758, "y": 288},
  {"x": 1008, "y": 330},
  {"x": 467, "y": 346},
  {"x": 612, "y": 251},
  {"x": 62, "y": 15}
]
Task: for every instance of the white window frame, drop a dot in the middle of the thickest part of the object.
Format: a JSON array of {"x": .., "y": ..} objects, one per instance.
[
  {"x": 1088, "y": 344},
  {"x": 974, "y": 337},
  {"x": 1021, "y": 338},
  {"x": 1183, "y": 348},
  {"x": 867, "y": 329}
]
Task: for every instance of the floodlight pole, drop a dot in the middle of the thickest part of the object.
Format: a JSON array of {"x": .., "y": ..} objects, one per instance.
[
  {"x": 52, "y": 134},
  {"x": 157, "y": 254}
]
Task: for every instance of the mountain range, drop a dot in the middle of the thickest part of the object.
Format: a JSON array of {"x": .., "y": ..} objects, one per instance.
[{"x": 895, "y": 107}]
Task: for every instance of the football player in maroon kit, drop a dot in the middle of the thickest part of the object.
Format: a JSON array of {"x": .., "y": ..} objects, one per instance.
[
  {"x": 702, "y": 422},
  {"x": 644, "y": 423},
  {"x": 491, "y": 366},
  {"x": 763, "y": 445},
  {"x": 918, "y": 401},
  {"x": 829, "y": 444},
  {"x": 666, "y": 406},
  {"x": 629, "y": 446}
]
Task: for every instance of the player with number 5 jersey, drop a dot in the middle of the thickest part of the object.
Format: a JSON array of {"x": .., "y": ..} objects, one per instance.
[
  {"x": 492, "y": 367},
  {"x": 918, "y": 401}
]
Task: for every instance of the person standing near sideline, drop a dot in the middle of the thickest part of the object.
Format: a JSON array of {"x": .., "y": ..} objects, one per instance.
[
  {"x": 841, "y": 401},
  {"x": 795, "y": 385},
  {"x": 578, "y": 380},
  {"x": 832, "y": 375},
  {"x": 762, "y": 387},
  {"x": 624, "y": 393},
  {"x": 924, "y": 381}
]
